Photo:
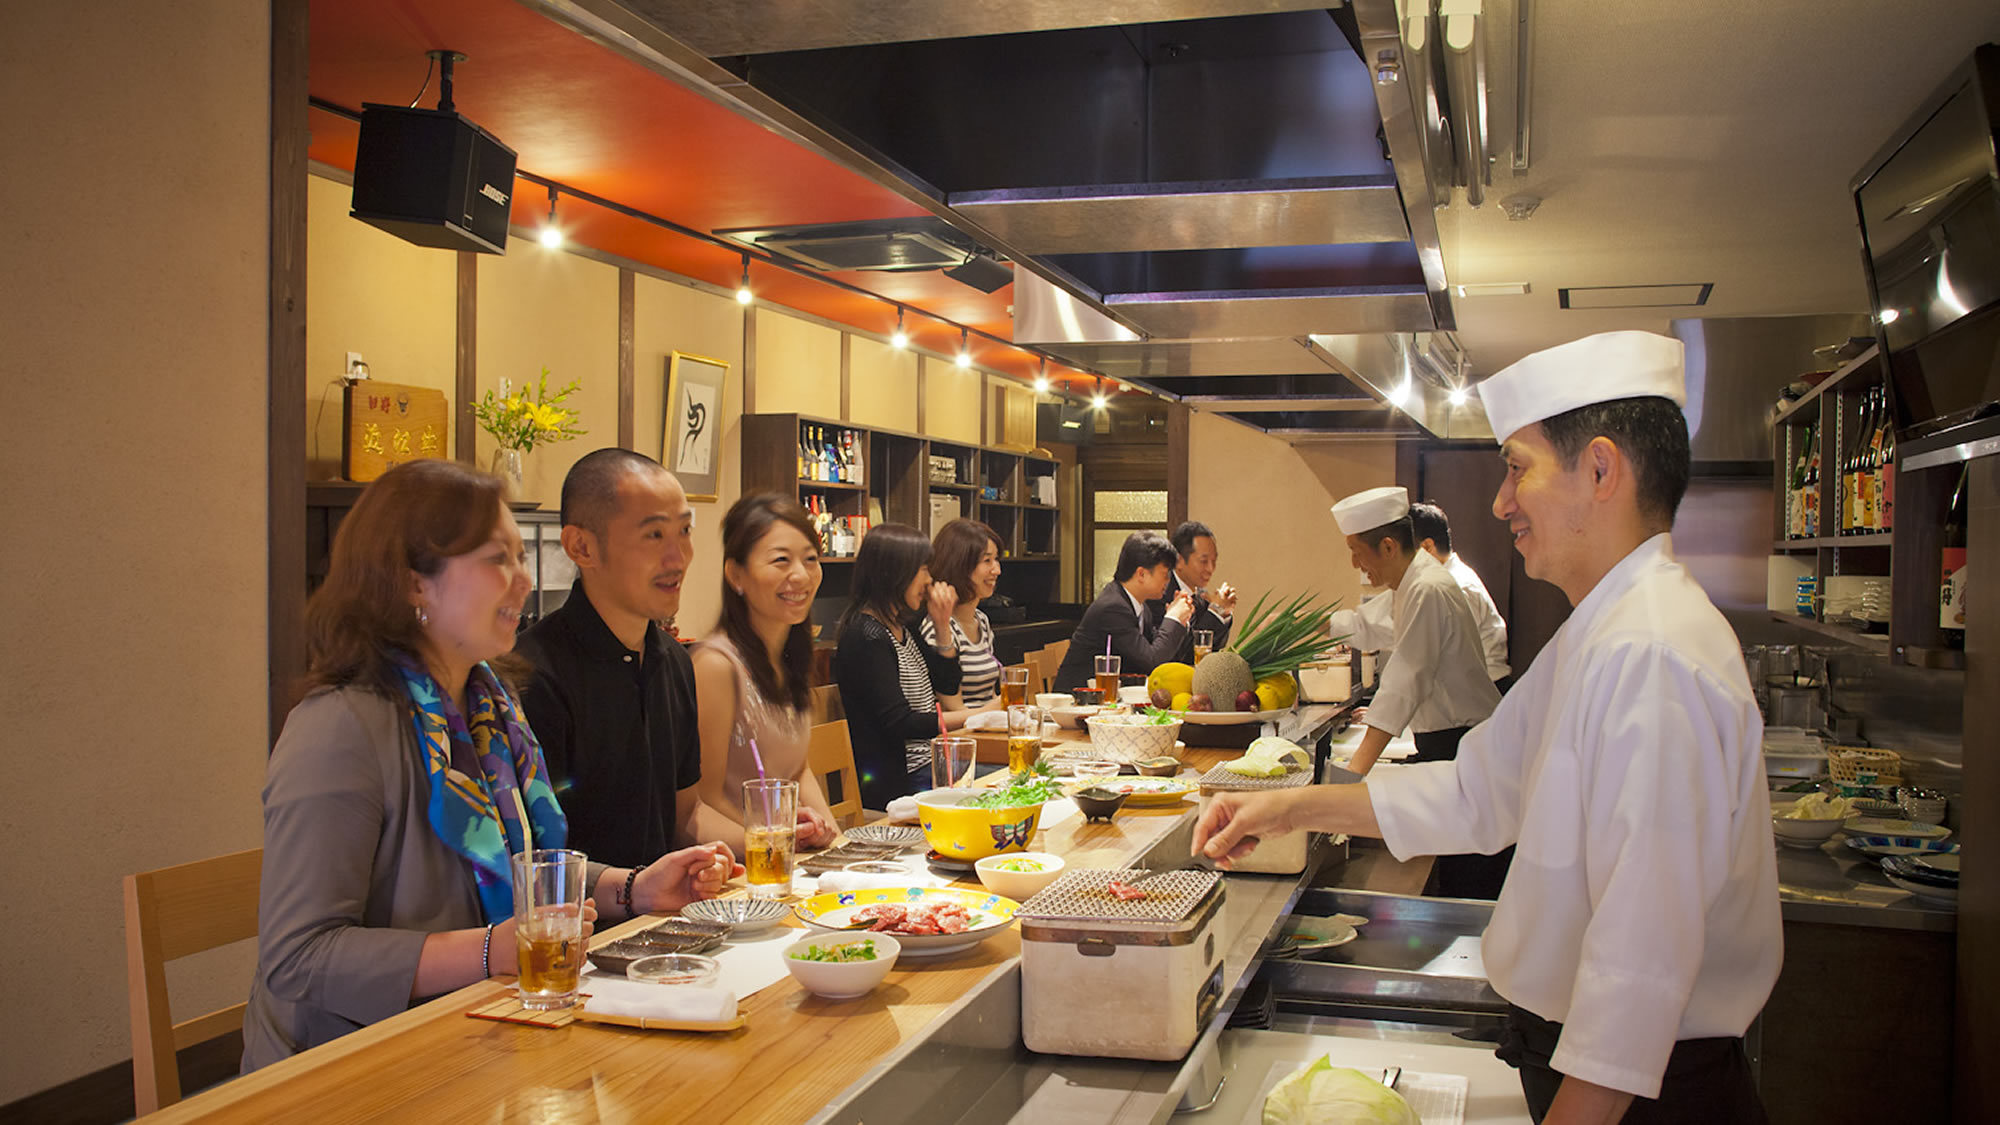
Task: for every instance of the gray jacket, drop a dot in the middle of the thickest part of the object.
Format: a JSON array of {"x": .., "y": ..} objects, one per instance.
[{"x": 354, "y": 877}]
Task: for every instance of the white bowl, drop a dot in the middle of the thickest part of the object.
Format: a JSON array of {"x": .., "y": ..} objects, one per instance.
[
  {"x": 1050, "y": 700},
  {"x": 1132, "y": 742},
  {"x": 1135, "y": 694},
  {"x": 1018, "y": 885},
  {"x": 1796, "y": 833},
  {"x": 842, "y": 980},
  {"x": 1073, "y": 716}
]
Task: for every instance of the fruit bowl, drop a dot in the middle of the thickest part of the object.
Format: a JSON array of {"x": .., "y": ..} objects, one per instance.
[
  {"x": 1120, "y": 739},
  {"x": 961, "y": 833}
]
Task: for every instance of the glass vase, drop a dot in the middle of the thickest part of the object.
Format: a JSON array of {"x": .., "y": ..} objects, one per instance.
[{"x": 507, "y": 466}]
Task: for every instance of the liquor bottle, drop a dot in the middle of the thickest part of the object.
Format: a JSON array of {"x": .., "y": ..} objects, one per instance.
[
  {"x": 1885, "y": 490},
  {"x": 1850, "y": 467},
  {"x": 1951, "y": 594},
  {"x": 850, "y": 453},
  {"x": 1818, "y": 444},
  {"x": 1864, "y": 467},
  {"x": 827, "y": 456}
]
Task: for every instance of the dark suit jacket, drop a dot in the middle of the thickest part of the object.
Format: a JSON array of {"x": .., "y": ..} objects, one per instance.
[
  {"x": 1204, "y": 618},
  {"x": 1144, "y": 643}
]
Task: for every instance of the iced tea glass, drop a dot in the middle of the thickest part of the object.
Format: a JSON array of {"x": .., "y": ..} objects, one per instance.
[
  {"x": 1024, "y": 737},
  {"x": 770, "y": 831},
  {"x": 1108, "y": 668},
  {"x": 1204, "y": 643},
  {"x": 548, "y": 925},
  {"x": 1013, "y": 686}
]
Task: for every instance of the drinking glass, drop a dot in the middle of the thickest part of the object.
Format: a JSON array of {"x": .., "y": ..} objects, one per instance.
[
  {"x": 548, "y": 925},
  {"x": 1204, "y": 643},
  {"x": 1024, "y": 737},
  {"x": 951, "y": 760},
  {"x": 770, "y": 827},
  {"x": 1013, "y": 686},
  {"x": 1108, "y": 668}
]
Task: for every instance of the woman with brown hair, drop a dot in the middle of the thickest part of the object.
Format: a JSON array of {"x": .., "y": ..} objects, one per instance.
[
  {"x": 753, "y": 675},
  {"x": 406, "y": 779},
  {"x": 966, "y": 554}
]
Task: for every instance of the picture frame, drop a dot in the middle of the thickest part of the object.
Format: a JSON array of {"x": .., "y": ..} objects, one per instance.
[{"x": 691, "y": 432}]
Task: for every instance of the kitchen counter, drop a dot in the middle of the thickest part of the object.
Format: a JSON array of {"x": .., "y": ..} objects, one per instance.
[
  {"x": 1831, "y": 884},
  {"x": 1254, "y": 1061}
]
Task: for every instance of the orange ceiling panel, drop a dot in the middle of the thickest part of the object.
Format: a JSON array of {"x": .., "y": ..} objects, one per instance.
[{"x": 580, "y": 114}]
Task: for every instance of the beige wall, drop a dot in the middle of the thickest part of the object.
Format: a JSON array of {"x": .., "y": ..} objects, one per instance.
[
  {"x": 1268, "y": 502},
  {"x": 544, "y": 308},
  {"x": 798, "y": 366},
  {"x": 883, "y": 385},
  {"x": 951, "y": 400},
  {"x": 670, "y": 317},
  {"x": 132, "y": 665},
  {"x": 370, "y": 292}
]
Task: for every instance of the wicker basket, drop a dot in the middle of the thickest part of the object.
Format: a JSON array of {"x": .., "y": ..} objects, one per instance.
[{"x": 1846, "y": 764}]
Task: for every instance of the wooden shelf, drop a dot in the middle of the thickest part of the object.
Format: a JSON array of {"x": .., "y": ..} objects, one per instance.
[
  {"x": 1035, "y": 558},
  {"x": 1875, "y": 539},
  {"x": 831, "y": 486},
  {"x": 1847, "y": 371},
  {"x": 936, "y": 484},
  {"x": 1876, "y": 642}
]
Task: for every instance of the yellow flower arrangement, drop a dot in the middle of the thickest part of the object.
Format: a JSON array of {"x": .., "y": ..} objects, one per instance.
[{"x": 521, "y": 421}]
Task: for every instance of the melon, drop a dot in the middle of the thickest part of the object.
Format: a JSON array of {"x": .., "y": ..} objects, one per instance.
[{"x": 1222, "y": 676}]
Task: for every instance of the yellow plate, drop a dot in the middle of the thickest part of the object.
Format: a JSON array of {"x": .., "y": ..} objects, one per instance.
[
  {"x": 991, "y": 914},
  {"x": 1144, "y": 791}
]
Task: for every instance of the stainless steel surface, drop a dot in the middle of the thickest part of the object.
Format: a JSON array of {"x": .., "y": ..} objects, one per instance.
[
  {"x": 970, "y": 1067},
  {"x": 1736, "y": 366},
  {"x": 753, "y": 26},
  {"x": 1256, "y": 403},
  {"x": 1254, "y": 1061},
  {"x": 1464, "y": 37},
  {"x": 1416, "y": 959},
  {"x": 1398, "y": 101},
  {"x": 1952, "y": 454},
  {"x": 1102, "y": 218},
  {"x": 1222, "y": 314},
  {"x": 1379, "y": 363},
  {"x": 1834, "y": 884}
]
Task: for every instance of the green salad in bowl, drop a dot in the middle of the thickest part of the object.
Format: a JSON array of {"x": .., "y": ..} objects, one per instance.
[{"x": 844, "y": 952}]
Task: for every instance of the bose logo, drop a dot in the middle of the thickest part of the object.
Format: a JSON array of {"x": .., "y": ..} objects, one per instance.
[{"x": 494, "y": 194}]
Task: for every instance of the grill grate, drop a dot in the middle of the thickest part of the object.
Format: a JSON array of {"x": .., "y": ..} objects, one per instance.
[
  {"x": 1218, "y": 779},
  {"x": 1080, "y": 896}
]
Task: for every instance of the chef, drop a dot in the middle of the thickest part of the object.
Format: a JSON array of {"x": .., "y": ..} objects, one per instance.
[
  {"x": 1638, "y": 934},
  {"x": 1371, "y": 627}
]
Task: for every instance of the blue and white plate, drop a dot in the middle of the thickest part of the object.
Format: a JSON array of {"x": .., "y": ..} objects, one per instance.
[
  {"x": 1945, "y": 863},
  {"x": 1881, "y": 846},
  {"x": 1872, "y": 826}
]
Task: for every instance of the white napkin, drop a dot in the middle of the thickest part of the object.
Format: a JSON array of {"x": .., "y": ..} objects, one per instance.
[
  {"x": 864, "y": 881},
  {"x": 996, "y": 721},
  {"x": 902, "y": 809},
  {"x": 611, "y": 996}
]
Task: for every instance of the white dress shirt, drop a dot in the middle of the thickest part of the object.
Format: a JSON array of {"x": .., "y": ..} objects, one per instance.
[
  {"x": 1492, "y": 629},
  {"x": 1438, "y": 680},
  {"x": 1642, "y": 907}
]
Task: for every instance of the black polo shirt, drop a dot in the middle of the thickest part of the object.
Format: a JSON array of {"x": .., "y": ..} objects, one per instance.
[{"x": 618, "y": 729}]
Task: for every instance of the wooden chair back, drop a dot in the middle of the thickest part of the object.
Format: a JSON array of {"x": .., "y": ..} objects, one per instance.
[
  {"x": 1053, "y": 654},
  {"x": 826, "y": 706},
  {"x": 170, "y": 913},
  {"x": 830, "y": 756}
]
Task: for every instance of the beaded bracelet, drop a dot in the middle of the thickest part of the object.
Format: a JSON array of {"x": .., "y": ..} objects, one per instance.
[
  {"x": 630, "y": 877},
  {"x": 486, "y": 953}
]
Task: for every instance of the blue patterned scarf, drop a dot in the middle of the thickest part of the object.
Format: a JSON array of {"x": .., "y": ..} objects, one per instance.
[{"x": 485, "y": 775}]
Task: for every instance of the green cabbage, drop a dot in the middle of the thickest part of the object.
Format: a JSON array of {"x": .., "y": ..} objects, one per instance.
[{"x": 1325, "y": 1094}]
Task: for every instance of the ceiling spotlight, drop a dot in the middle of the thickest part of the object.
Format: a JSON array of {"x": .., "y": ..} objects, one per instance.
[
  {"x": 901, "y": 339},
  {"x": 552, "y": 236},
  {"x": 964, "y": 359},
  {"x": 1097, "y": 400},
  {"x": 1042, "y": 378},
  {"x": 1401, "y": 394},
  {"x": 1458, "y": 395},
  {"x": 1890, "y": 316},
  {"x": 743, "y": 294}
]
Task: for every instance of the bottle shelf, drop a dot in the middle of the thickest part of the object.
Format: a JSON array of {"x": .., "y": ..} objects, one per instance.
[
  {"x": 831, "y": 485},
  {"x": 1872, "y": 539},
  {"x": 1876, "y": 642}
]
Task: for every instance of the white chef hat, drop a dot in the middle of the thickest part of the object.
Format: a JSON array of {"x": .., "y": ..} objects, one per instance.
[
  {"x": 1600, "y": 368},
  {"x": 1366, "y": 511}
]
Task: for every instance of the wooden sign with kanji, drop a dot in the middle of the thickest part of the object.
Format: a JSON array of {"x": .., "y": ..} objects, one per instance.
[{"x": 386, "y": 424}]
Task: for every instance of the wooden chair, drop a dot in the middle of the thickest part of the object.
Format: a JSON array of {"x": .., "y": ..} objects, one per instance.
[
  {"x": 171, "y": 913},
  {"x": 1054, "y": 653},
  {"x": 830, "y": 756},
  {"x": 826, "y": 706}
]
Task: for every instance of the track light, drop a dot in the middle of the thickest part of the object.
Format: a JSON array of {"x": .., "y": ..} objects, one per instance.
[
  {"x": 901, "y": 339},
  {"x": 743, "y": 293},
  {"x": 552, "y": 235},
  {"x": 1458, "y": 395},
  {"x": 1097, "y": 401},
  {"x": 1042, "y": 378},
  {"x": 964, "y": 350}
]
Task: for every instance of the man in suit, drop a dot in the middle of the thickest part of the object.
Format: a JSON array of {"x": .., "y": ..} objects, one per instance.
[
  {"x": 1119, "y": 617},
  {"x": 1195, "y": 544}
]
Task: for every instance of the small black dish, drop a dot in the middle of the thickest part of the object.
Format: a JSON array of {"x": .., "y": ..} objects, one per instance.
[{"x": 1098, "y": 804}]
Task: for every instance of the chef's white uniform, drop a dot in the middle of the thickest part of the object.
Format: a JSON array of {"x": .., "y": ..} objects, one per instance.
[
  {"x": 1438, "y": 679},
  {"x": 1643, "y": 903},
  {"x": 1371, "y": 627}
]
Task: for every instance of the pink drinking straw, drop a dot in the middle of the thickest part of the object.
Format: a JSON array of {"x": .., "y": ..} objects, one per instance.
[
  {"x": 940, "y": 710},
  {"x": 759, "y": 759},
  {"x": 1107, "y": 646}
]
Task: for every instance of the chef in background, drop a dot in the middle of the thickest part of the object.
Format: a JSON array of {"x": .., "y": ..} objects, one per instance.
[
  {"x": 1638, "y": 934},
  {"x": 1371, "y": 627}
]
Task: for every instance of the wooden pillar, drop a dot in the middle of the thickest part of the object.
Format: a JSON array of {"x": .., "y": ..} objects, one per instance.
[
  {"x": 285, "y": 391},
  {"x": 1180, "y": 420},
  {"x": 627, "y": 357},
  {"x": 465, "y": 431},
  {"x": 1977, "y": 1041}
]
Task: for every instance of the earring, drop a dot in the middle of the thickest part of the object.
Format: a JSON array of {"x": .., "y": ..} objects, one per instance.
[{"x": 422, "y": 617}]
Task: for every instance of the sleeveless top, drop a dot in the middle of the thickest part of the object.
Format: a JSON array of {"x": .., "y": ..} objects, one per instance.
[
  {"x": 782, "y": 734},
  {"x": 978, "y": 667}
]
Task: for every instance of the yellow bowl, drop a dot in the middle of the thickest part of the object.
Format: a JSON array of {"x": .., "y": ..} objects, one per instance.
[{"x": 957, "y": 832}]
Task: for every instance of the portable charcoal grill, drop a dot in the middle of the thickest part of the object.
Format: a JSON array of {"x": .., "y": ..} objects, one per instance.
[
  {"x": 1278, "y": 855},
  {"x": 1104, "y": 977}
]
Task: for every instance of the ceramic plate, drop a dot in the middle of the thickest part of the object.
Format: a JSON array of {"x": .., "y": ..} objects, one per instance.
[
  {"x": 1871, "y": 826},
  {"x": 1879, "y": 846},
  {"x": 1945, "y": 862},
  {"x": 901, "y": 835},
  {"x": 745, "y": 915},
  {"x": 1941, "y": 896},
  {"x": 990, "y": 913},
  {"x": 1147, "y": 790},
  {"x": 1229, "y": 718}
]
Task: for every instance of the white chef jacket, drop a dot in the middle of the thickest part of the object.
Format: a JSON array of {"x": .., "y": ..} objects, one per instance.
[
  {"x": 1438, "y": 680},
  {"x": 1642, "y": 906},
  {"x": 1372, "y": 628},
  {"x": 1492, "y": 629}
]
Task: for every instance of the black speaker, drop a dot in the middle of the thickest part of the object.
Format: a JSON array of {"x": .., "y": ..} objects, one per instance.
[
  {"x": 1064, "y": 421},
  {"x": 433, "y": 178},
  {"x": 982, "y": 273}
]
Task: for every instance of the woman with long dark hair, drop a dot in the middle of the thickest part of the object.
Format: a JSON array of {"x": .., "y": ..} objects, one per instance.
[
  {"x": 966, "y": 554},
  {"x": 889, "y": 678},
  {"x": 752, "y": 676},
  {"x": 406, "y": 779}
]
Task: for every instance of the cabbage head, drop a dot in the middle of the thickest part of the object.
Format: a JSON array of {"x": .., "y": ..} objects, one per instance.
[{"x": 1325, "y": 1094}]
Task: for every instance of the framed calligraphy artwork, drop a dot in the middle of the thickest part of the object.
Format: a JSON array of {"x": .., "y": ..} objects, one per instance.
[{"x": 691, "y": 441}]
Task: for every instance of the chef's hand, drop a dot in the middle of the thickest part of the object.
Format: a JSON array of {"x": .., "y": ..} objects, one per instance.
[
  {"x": 1233, "y": 823},
  {"x": 1183, "y": 608},
  {"x": 1223, "y": 598},
  {"x": 942, "y": 601},
  {"x": 815, "y": 830},
  {"x": 688, "y": 875}
]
